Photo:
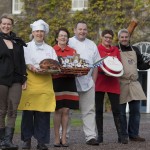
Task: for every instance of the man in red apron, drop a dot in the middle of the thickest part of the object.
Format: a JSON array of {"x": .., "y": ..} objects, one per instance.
[{"x": 131, "y": 90}]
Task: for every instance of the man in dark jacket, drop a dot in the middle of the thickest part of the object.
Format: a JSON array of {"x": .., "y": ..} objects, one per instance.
[{"x": 131, "y": 90}]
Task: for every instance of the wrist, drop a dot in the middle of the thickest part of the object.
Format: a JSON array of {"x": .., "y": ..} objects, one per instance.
[{"x": 32, "y": 68}]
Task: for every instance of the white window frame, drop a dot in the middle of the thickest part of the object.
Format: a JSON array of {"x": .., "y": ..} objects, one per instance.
[
  {"x": 17, "y": 6},
  {"x": 79, "y": 4}
]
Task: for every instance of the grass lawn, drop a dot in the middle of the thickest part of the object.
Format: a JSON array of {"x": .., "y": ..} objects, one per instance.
[{"x": 75, "y": 121}]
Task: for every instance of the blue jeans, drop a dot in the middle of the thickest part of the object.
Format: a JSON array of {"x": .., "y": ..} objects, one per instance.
[{"x": 132, "y": 128}]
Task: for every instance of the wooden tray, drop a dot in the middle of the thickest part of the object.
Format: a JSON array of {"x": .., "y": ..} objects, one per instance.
[{"x": 75, "y": 71}]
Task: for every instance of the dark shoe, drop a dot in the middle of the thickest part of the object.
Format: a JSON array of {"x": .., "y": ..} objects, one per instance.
[
  {"x": 57, "y": 145},
  {"x": 124, "y": 140},
  {"x": 137, "y": 139},
  {"x": 42, "y": 147},
  {"x": 60, "y": 141},
  {"x": 65, "y": 145},
  {"x": 26, "y": 144},
  {"x": 9, "y": 148},
  {"x": 100, "y": 139},
  {"x": 92, "y": 142}
]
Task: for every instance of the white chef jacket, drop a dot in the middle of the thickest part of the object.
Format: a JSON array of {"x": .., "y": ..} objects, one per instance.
[
  {"x": 87, "y": 50},
  {"x": 35, "y": 53}
]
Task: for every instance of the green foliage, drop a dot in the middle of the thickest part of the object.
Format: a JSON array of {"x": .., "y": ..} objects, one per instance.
[
  {"x": 107, "y": 103},
  {"x": 101, "y": 14},
  {"x": 54, "y": 12}
]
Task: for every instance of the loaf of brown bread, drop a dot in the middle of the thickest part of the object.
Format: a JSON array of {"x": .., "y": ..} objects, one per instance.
[{"x": 49, "y": 64}]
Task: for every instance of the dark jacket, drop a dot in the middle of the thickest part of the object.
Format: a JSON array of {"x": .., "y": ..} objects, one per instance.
[
  {"x": 141, "y": 65},
  {"x": 12, "y": 64}
]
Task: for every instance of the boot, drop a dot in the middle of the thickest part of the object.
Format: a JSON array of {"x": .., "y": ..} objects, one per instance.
[
  {"x": 26, "y": 144},
  {"x": 2, "y": 134},
  {"x": 42, "y": 146},
  {"x": 7, "y": 142},
  {"x": 121, "y": 138},
  {"x": 99, "y": 123}
]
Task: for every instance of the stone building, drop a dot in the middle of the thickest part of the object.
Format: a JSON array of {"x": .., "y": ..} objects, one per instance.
[
  {"x": 15, "y": 6},
  {"x": 5, "y": 6}
]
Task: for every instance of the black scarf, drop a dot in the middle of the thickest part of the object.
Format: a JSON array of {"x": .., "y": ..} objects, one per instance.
[
  {"x": 12, "y": 37},
  {"x": 125, "y": 47}
]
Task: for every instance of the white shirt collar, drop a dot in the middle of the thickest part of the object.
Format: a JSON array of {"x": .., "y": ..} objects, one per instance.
[{"x": 38, "y": 46}]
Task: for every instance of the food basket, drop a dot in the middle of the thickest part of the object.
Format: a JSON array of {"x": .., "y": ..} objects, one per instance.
[
  {"x": 74, "y": 65},
  {"x": 75, "y": 71},
  {"x": 51, "y": 71}
]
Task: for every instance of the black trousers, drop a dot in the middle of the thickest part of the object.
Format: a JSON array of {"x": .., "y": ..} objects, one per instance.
[
  {"x": 99, "y": 103},
  {"x": 37, "y": 124},
  {"x": 114, "y": 100}
]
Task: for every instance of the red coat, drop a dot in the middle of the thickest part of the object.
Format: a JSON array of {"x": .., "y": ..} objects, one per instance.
[{"x": 106, "y": 83}]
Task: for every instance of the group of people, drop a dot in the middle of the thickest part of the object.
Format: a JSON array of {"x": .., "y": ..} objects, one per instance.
[{"x": 27, "y": 87}]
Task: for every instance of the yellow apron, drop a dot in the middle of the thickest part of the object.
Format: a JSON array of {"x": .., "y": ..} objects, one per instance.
[{"x": 39, "y": 95}]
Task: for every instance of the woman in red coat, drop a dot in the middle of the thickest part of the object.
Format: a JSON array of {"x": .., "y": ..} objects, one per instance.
[{"x": 107, "y": 84}]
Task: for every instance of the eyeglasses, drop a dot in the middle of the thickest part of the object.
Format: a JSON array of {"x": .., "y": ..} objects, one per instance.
[
  {"x": 108, "y": 37},
  {"x": 65, "y": 36}
]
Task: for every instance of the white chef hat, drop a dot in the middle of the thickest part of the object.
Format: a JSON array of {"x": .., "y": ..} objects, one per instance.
[{"x": 40, "y": 25}]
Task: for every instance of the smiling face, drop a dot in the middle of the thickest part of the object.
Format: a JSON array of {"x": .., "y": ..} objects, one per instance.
[
  {"x": 124, "y": 38},
  {"x": 62, "y": 38},
  {"x": 6, "y": 25},
  {"x": 107, "y": 40},
  {"x": 81, "y": 31},
  {"x": 38, "y": 35}
]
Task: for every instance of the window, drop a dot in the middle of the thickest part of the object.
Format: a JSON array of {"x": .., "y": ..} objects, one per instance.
[
  {"x": 16, "y": 6},
  {"x": 79, "y": 4}
]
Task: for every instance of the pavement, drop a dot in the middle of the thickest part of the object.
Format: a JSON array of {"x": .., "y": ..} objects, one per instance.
[{"x": 77, "y": 139}]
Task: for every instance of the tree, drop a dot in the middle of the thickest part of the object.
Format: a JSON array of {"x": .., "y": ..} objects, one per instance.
[
  {"x": 116, "y": 14},
  {"x": 142, "y": 13},
  {"x": 101, "y": 14},
  {"x": 54, "y": 12}
]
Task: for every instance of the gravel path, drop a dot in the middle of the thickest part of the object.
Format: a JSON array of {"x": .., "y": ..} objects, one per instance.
[{"x": 77, "y": 140}]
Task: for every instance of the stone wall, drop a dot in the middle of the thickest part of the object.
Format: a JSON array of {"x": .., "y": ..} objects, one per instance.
[{"x": 5, "y": 6}]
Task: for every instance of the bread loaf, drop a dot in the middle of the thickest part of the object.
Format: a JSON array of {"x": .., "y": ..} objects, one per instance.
[
  {"x": 49, "y": 64},
  {"x": 132, "y": 26}
]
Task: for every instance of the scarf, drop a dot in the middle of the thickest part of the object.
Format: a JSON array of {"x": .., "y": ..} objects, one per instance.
[
  {"x": 12, "y": 37},
  {"x": 125, "y": 47},
  {"x": 105, "y": 50}
]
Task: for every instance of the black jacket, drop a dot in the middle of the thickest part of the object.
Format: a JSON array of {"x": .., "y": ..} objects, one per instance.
[
  {"x": 141, "y": 65},
  {"x": 12, "y": 64}
]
